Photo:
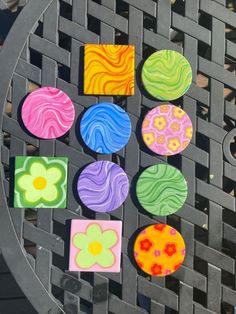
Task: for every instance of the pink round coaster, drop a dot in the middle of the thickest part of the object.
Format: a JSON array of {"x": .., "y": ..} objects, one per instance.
[
  {"x": 167, "y": 130},
  {"x": 48, "y": 113}
]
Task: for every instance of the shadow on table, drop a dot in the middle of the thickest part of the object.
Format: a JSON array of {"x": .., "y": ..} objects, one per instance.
[{"x": 7, "y": 18}]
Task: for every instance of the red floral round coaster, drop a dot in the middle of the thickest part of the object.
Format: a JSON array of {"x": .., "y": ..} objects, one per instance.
[{"x": 159, "y": 250}]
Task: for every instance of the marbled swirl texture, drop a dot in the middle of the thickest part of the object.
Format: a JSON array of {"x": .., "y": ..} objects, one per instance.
[
  {"x": 103, "y": 186},
  {"x": 161, "y": 189},
  {"x": 105, "y": 128},
  {"x": 48, "y": 113},
  {"x": 109, "y": 69},
  {"x": 166, "y": 75}
]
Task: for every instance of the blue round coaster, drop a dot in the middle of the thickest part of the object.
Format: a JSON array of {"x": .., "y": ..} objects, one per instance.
[{"x": 105, "y": 128}]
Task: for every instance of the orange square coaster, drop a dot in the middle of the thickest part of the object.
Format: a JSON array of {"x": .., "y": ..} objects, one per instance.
[{"x": 109, "y": 69}]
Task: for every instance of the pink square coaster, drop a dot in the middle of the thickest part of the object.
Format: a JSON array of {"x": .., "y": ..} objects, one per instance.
[{"x": 95, "y": 245}]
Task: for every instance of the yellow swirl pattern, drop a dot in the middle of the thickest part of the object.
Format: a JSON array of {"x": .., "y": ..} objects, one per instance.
[{"x": 109, "y": 69}]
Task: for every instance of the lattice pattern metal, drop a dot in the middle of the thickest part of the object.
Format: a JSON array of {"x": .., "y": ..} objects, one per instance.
[{"x": 203, "y": 30}]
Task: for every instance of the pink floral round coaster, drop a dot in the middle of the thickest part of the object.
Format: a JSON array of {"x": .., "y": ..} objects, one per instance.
[{"x": 167, "y": 130}]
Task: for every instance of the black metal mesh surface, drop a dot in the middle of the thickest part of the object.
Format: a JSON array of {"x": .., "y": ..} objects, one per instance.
[{"x": 203, "y": 30}]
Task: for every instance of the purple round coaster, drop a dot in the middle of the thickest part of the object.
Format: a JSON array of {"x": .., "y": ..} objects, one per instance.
[{"x": 103, "y": 186}]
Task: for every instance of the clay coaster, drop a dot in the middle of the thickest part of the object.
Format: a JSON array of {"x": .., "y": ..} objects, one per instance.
[
  {"x": 105, "y": 128},
  {"x": 166, "y": 75},
  {"x": 109, "y": 69},
  {"x": 95, "y": 245},
  {"x": 159, "y": 250},
  {"x": 161, "y": 189},
  {"x": 167, "y": 130},
  {"x": 48, "y": 113},
  {"x": 103, "y": 186},
  {"x": 40, "y": 182}
]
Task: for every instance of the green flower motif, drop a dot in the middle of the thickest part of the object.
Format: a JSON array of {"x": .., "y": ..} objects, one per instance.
[
  {"x": 40, "y": 182},
  {"x": 95, "y": 247}
]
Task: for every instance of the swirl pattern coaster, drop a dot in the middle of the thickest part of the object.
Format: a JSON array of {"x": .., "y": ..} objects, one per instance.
[
  {"x": 103, "y": 186},
  {"x": 95, "y": 245},
  {"x": 167, "y": 130},
  {"x": 161, "y": 189},
  {"x": 166, "y": 75},
  {"x": 105, "y": 128},
  {"x": 109, "y": 69},
  {"x": 48, "y": 113},
  {"x": 159, "y": 250}
]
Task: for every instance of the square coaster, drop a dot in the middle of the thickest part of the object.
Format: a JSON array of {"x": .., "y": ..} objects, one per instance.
[
  {"x": 109, "y": 69},
  {"x": 95, "y": 245},
  {"x": 40, "y": 182}
]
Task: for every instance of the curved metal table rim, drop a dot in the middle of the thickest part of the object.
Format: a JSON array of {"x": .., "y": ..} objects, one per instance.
[{"x": 11, "y": 249}]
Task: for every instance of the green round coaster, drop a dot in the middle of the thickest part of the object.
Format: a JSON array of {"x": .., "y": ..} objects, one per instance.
[
  {"x": 166, "y": 75},
  {"x": 161, "y": 189}
]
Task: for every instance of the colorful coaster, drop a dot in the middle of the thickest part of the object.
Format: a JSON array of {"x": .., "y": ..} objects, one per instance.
[
  {"x": 103, "y": 186},
  {"x": 95, "y": 245},
  {"x": 109, "y": 69},
  {"x": 105, "y": 128},
  {"x": 161, "y": 189},
  {"x": 167, "y": 130},
  {"x": 166, "y": 75},
  {"x": 40, "y": 182},
  {"x": 48, "y": 113},
  {"x": 159, "y": 250}
]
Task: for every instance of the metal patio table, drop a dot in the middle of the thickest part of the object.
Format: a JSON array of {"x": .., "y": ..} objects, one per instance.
[{"x": 44, "y": 47}]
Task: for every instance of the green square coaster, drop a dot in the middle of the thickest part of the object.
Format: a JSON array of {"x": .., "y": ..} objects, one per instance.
[{"x": 40, "y": 182}]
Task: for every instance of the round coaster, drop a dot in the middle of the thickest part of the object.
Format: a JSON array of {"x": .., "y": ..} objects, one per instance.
[
  {"x": 166, "y": 75},
  {"x": 167, "y": 130},
  {"x": 161, "y": 189},
  {"x": 48, "y": 113},
  {"x": 159, "y": 250},
  {"x": 103, "y": 186},
  {"x": 105, "y": 128}
]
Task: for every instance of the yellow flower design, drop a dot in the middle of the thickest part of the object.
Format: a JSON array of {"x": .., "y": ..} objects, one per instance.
[
  {"x": 161, "y": 139},
  {"x": 164, "y": 108},
  {"x": 148, "y": 138},
  {"x": 178, "y": 112},
  {"x": 175, "y": 126},
  {"x": 145, "y": 123},
  {"x": 173, "y": 144},
  {"x": 160, "y": 123},
  {"x": 189, "y": 132},
  {"x": 185, "y": 144}
]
